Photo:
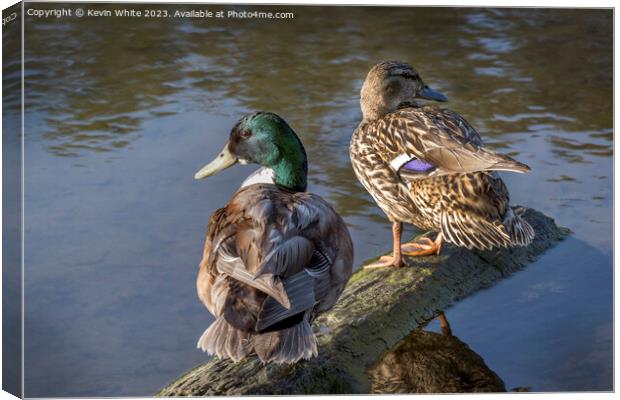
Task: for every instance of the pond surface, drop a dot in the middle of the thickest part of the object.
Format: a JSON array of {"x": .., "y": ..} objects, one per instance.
[{"x": 121, "y": 112}]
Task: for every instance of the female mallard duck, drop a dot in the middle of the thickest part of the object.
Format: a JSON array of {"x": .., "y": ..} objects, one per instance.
[
  {"x": 427, "y": 166},
  {"x": 275, "y": 256}
]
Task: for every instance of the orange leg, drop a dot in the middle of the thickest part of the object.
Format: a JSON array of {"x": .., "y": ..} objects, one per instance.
[
  {"x": 423, "y": 247},
  {"x": 396, "y": 260},
  {"x": 445, "y": 325}
]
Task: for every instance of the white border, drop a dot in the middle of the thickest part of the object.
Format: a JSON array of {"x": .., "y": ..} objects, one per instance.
[{"x": 446, "y": 3}]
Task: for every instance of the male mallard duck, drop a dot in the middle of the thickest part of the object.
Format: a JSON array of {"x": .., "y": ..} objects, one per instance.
[
  {"x": 275, "y": 256},
  {"x": 427, "y": 166}
]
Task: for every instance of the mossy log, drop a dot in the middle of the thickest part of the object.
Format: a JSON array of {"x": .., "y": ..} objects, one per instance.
[{"x": 378, "y": 308}]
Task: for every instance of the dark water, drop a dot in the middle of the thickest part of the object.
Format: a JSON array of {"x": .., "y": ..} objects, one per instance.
[{"x": 121, "y": 112}]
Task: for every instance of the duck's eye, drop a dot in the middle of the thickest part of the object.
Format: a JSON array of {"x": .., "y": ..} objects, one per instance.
[{"x": 245, "y": 134}]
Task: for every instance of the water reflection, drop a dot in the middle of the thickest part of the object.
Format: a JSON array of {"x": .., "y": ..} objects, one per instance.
[
  {"x": 120, "y": 112},
  {"x": 429, "y": 362},
  {"x": 90, "y": 82}
]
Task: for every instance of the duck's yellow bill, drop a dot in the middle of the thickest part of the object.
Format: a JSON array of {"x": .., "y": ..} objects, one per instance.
[{"x": 223, "y": 160}]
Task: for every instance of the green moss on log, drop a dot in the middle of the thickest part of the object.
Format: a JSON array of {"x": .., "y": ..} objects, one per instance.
[{"x": 378, "y": 308}]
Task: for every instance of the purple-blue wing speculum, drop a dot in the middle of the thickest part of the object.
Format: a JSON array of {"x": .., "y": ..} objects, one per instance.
[{"x": 417, "y": 165}]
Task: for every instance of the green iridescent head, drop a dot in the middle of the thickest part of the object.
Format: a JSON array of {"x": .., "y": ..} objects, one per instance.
[{"x": 266, "y": 139}]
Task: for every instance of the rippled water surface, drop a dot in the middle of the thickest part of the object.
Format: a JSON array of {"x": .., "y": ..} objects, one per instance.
[{"x": 121, "y": 112}]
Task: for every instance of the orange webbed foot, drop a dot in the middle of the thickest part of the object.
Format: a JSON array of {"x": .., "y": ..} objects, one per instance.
[
  {"x": 422, "y": 247},
  {"x": 386, "y": 262}
]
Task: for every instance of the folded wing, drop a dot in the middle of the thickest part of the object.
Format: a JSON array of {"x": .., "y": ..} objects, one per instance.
[{"x": 443, "y": 142}]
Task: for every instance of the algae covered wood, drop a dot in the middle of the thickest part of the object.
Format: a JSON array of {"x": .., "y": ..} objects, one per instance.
[{"x": 378, "y": 308}]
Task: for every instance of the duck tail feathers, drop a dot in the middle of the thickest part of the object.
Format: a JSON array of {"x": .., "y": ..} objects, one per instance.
[
  {"x": 282, "y": 346},
  {"x": 225, "y": 341},
  {"x": 287, "y": 345},
  {"x": 520, "y": 231}
]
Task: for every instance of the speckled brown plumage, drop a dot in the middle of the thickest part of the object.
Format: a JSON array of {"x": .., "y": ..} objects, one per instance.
[{"x": 459, "y": 194}]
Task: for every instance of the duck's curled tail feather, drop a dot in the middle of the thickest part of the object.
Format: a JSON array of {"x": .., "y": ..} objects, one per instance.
[{"x": 282, "y": 346}]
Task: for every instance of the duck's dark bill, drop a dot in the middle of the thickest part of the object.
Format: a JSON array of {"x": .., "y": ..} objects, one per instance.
[{"x": 429, "y": 94}]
